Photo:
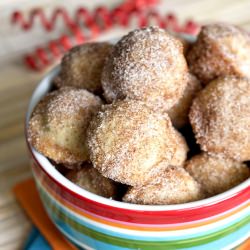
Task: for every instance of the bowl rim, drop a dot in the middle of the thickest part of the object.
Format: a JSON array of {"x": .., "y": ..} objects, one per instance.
[{"x": 56, "y": 176}]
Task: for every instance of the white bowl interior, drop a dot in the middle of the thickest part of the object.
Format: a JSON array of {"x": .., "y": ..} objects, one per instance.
[{"x": 41, "y": 90}]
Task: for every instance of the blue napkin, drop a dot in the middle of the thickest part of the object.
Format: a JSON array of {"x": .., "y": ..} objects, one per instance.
[{"x": 36, "y": 241}]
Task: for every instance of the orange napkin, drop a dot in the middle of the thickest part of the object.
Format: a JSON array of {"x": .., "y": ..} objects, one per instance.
[
  {"x": 244, "y": 246},
  {"x": 29, "y": 199}
]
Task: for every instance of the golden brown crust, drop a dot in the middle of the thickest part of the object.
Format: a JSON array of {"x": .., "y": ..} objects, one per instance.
[
  {"x": 58, "y": 124},
  {"x": 173, "y": 185},
  {"x": 179, "y": 112},
  {"x": 126, "y": 139},
  {"x": 90, "y": 179},
  {"x": 82, "y": 66},
  {"x": 221, "y": 49},
  {"x": 146, "y": 65},
  {"x": 216, "y": 174},
  {"x": 220, "y": 117}
]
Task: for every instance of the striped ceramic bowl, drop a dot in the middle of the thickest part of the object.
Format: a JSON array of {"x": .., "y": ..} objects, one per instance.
[{"x": 94, "y": 222}]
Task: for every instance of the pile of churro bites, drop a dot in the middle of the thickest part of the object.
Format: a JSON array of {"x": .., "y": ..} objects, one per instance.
[{"x": 142, "y": 123}]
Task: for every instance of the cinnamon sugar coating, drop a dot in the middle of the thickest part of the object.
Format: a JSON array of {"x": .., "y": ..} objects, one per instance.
[
  {"x": 58, "y": 124},
  {"x": 179, "y": 112},
  {"x": 181, "y": 150},
  {"x": 133, "y": 140},
  {"x": 186, "y": 43},
  {"x": 173, "y": 185},
  {"x": 220, "y": 117},
  {"x": 221, "y": 49},
  {"x": 216, "y": 174},
  {"x": 82, "y": 66},
  {"x": 90, "y": 179},
  {"x": 146, "y": 65},
  {"x": 127, "y": 139}
]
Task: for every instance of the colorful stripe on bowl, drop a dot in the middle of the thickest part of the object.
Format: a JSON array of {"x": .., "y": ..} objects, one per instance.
[
  {"x": 75, "y": 221},
  {"x": 145, "y": 218},
  {"x": 73, "y": 226}
]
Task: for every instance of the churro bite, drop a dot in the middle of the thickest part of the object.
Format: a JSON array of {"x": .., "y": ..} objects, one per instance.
[
  {"x": 57, "y": 127},
  {"x": 173, "y": 185},
  {"x": 220, "y": 117},
  {"x": 90, "y": 179},
  {"x": 216, "y": 174},
  {"x": 82, "y": 66},
  {"x": 127, "y": 139},
  {"x": 221, "y": 49},
  {"x": 179, "y": 112},
  {"x": 146, "y": 65}
]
